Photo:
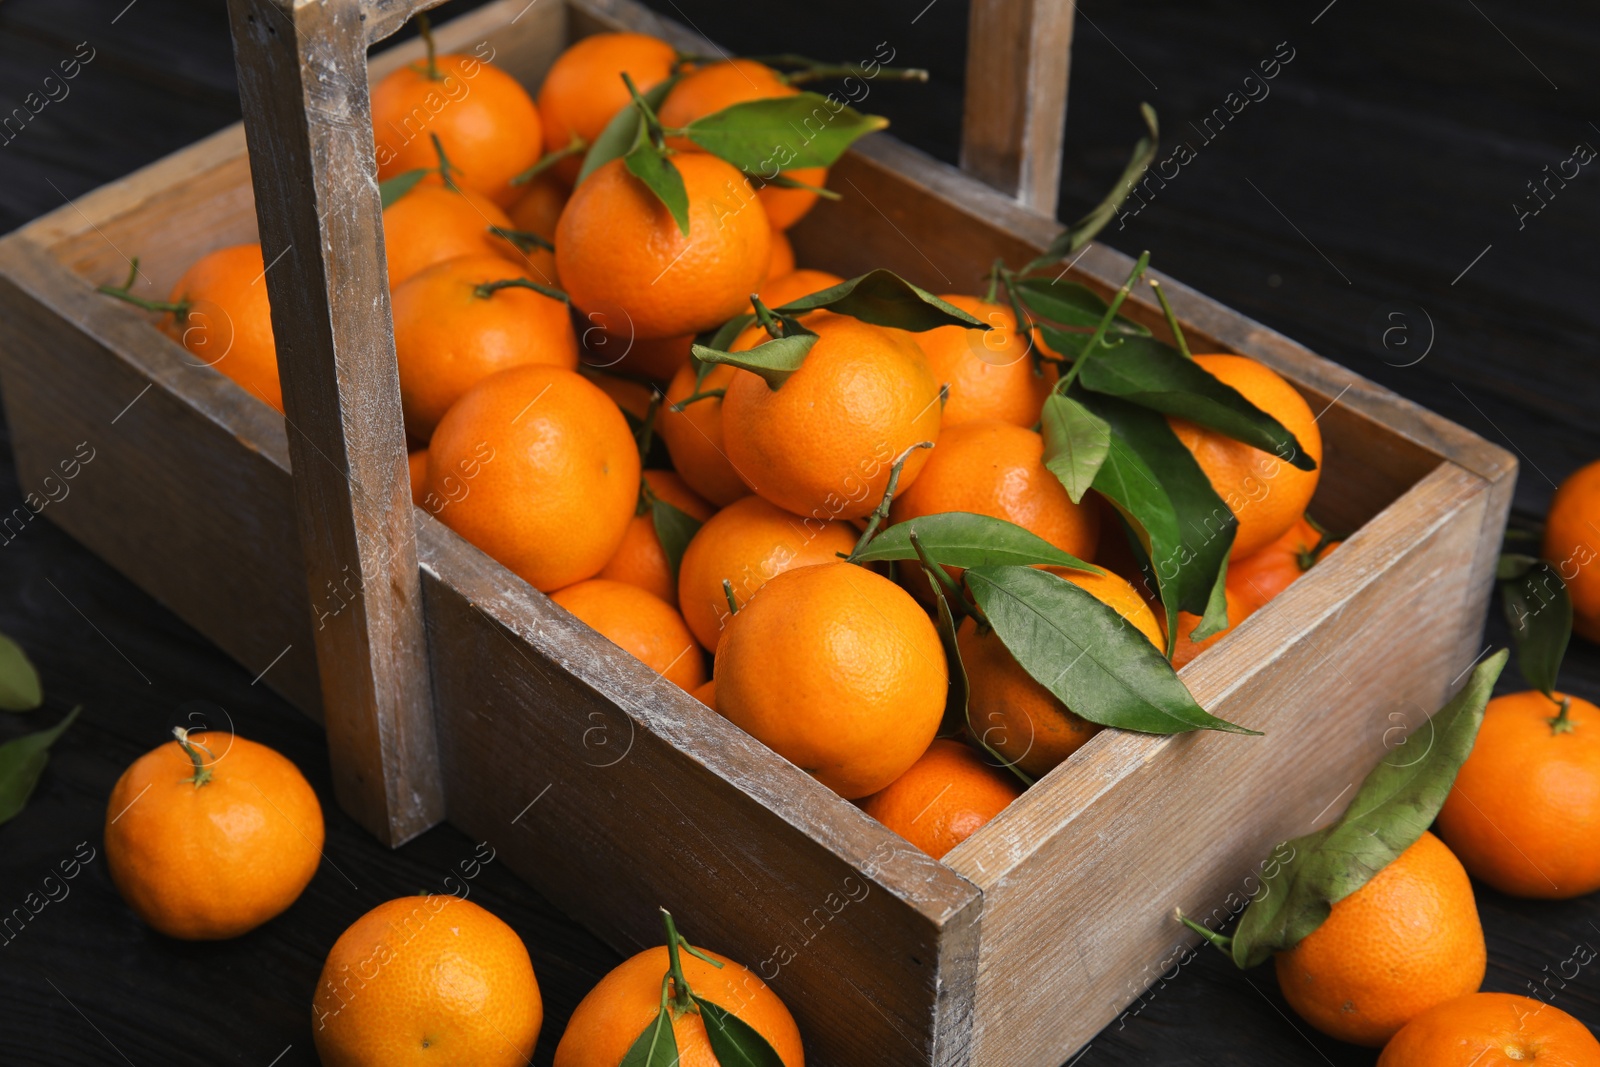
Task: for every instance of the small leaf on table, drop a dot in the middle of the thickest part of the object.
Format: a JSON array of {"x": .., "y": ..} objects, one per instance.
[
  {"x": 19, "y": 682},
  {"x": 21, "y": 763},
  {"x": 965, "y": 539},
  {"x": 1090, "y": 657},
  {"x": 1395, "y": 804}
]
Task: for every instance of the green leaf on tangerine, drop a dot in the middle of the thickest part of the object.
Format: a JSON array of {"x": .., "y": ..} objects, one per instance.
[
  {"x": 1090, "y": 657},
  {"x": 19, "y": 682},
  {"x": 763, "y": 137},
  {"x": 22, "y": 761},
  {"x": 622, "y": 132},
  {"x": 1076, "y": 442},
  {"x": 964, "y": 539},
  {"x": 775, "y": 360},
  {"x": 734, "y": 1042},
  {"x": 1538, "y": 608},
  {"x": 650, "y": 165},
  {"x": 1158, "y": 377},
  {"x": 883, "y": 298},
  {"x": 393, "y": 189},
  {"x": 1071, "y": 304},
  {"x": 656, "y": 1045},
  {"x": 674, "y": 528},
  {"x": 1395, "y": 804}
]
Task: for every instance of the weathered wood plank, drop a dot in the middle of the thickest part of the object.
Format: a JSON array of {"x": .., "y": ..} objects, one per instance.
[
  {"x": 615, "y": 792},
  {"x": 1132, "y": 826},
  {"x": 308, "y": 121},
  {"x": 1014, "y": 120}
]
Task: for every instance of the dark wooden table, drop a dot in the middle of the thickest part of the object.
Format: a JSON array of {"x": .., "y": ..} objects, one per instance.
[{"x": 1371, "y": 186}]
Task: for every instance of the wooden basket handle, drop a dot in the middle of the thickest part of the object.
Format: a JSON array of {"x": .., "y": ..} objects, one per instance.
[{"x": 308, "y": 119}]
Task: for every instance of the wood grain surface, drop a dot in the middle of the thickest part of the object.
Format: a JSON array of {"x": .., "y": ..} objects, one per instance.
[{"x": 59, "y": 1011}]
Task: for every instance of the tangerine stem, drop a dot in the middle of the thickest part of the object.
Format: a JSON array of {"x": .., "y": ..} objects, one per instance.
[
  {"x": 202, "y": 770},
  {"x": 652, "y": 124},
  {"x": 818, "y": 71},
  {"x": 952, "y": 589},
  {"x": 682, "y": 996},
  {"x": 1221, "y": 941},
  {"x": 1105, "y": 323},
  {"x": 698, "y": 394},
  {"x": 179, "y": 310},
  {"x": 425, "y": 28},
  {"x": 484, "y": 290},
  {"x": 994, "y": 280},
  {"x": 576, "y": 146},
  {"x": 445, "y": 166},
  {"x": 727, "y": 591},
  {"x": 1172, "y": 319},
  {"x": 1561, "y": 722},
  {"x": 881, "y": 512},
  {"x": 523, "y": 239},
  {"x": 769, "y": 322}
]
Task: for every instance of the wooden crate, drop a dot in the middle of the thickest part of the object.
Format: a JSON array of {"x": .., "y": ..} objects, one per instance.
[{"x": 612, "y": 792}]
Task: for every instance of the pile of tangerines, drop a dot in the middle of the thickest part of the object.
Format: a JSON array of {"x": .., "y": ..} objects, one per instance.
[{"x": 928, "y": 545}]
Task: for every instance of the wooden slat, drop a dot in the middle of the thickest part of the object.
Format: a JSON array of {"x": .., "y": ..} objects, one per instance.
[
  {"x": 558, "y": 745},
  {"x": 303, "y": 87},
  {"x": 1182, "y": 821},
  {"x": 1014, "y": 119}
]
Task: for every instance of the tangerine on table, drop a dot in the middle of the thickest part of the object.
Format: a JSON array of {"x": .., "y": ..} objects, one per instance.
[
  {"x": 621, "y": 255},
  {"x": 1524, "y": 812},
  {"x": 229, "y": 321},
  {"x": 837, "y": 670},
  {"x": 1492, "y": 1030},
  {"x": 453, "y": 327},
  {"x": 694, "y": 437},
  {"x": 748, "y": 543},
  {"x": 943, "y": 798},
  {"x": 1011, "y": 711},
  {"x": 537, "y": 467},
  {"x": 1264, "y": 492},
  {"x": 1407, "y": 940},
  {"x": 997, "y": 469},
  {"x": 640, "y": 623},
  {"x": 717, "y": 86},
  {"x": 431, "y": 224},
  {"x": 1268, "y": 571},
  {"x": 612, "y": 1015},
  {"x": 584, "y": 88},
  {"x": 991, "y": 373},
  {"x": 824, "y": 443},
  {"x": 1572, "y": 545},
  {"x": 427, "y": 980},
  {"x": 776, "y": 292},
  {"x": 484, "y": 119},
  {"x": 640, "y": 559},
  {"x": 209, "y": 836}
]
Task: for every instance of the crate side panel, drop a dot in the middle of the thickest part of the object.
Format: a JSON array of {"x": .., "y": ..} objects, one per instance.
[
  {"x": 615, "y": 799},
  {"x": 1134, "y": 826},
  {"x": 183, "y": 504}
]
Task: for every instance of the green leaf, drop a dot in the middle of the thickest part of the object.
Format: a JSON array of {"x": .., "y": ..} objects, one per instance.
[
  {"x": 883, "y": 298},
  {"x": 19, "y": 682},
  {"x": 656, "y": 1046},
  {"x": 622, "y": 132},
  {"x": 944, "y": 620},
  {"x": 734, "y": 1042},
  {"x": 1394, "y": 805},
  {"x": 1083, "y": 231},
  {"x": 1215, "y": 618},
  {"x": 1076, "y": 442},
  {"x": 394, "y": 188},
  {"x": 1157, "y": 376},
  {"x": 782, "y": 133},
  {"x": 21, "y": 763},
  {"x": 964, "y": 539},
  {"x": 1071, "y": 304},
  {"x": 1538, "y": 608},
  {"x": 774, "y": 360},
  {"x": 1091, "y": 658},
  {"x": 650, "y": 165},
  {"x": 1160, "y": 489},
  {"x": 674, "y": 528},
  {"x": 1513, "y": 564}
]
